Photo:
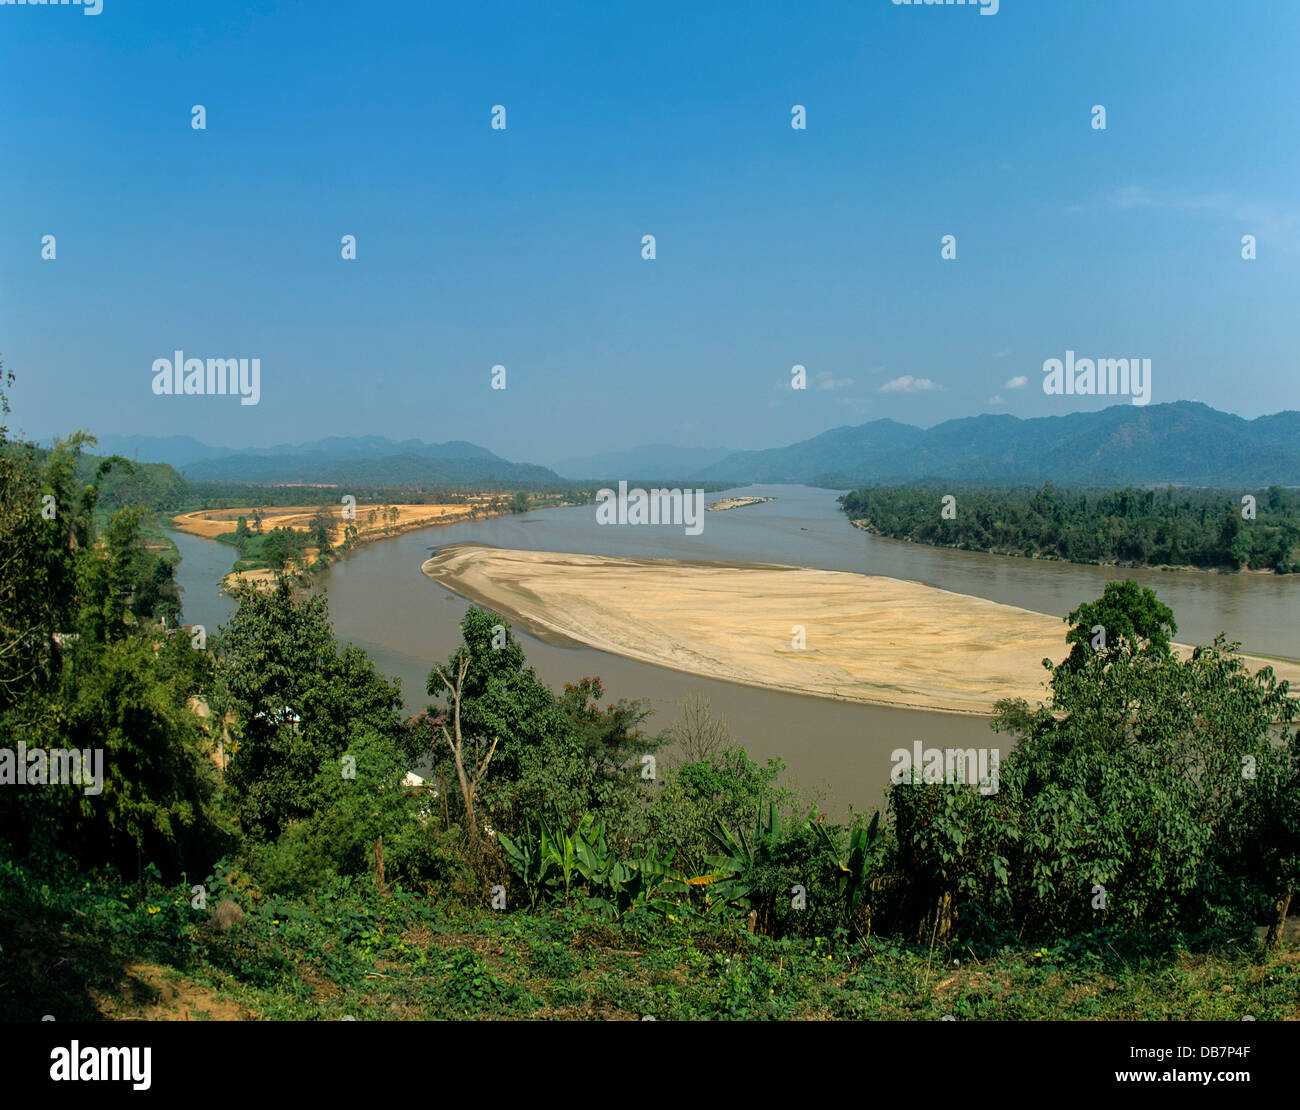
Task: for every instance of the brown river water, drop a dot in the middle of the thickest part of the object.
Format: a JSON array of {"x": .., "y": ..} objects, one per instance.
[{"x": 837, "y": 752}]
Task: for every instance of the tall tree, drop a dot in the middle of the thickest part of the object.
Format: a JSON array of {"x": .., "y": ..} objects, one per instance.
[{"x": 299, "y": 702}]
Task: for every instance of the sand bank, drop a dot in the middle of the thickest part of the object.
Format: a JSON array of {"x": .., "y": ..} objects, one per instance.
[
  {"x": 211, "y": 523},
  {"x": 877, "y": 640},
  {"x": 736, "y": 503}
]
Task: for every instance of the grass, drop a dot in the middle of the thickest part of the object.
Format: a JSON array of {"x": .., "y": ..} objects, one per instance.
[{"x": 86, "y": 947}]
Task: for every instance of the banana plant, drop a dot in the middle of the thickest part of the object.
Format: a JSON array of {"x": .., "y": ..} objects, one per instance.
[
  {"x": 595, "y": 861},
  {"x": 530, "y": 859},
  {"x": 732, "y": 878},
  {"x": 854, "y": 869},
  {"x": 652, "y": 881},
  {"x": 733, "y": 869},
  {"x": 563, "y": 853},
  {"x": 558, "y": 861}
]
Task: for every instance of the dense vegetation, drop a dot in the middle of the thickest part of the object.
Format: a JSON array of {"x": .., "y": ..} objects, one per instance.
[
  {"x": 1202, "y": 528},
  {"x": 572, "y": 861}
]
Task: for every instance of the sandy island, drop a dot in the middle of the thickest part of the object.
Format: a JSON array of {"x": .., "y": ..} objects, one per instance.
[
  {"x": 882, "y": 641},
  {"x": 372, "y": 522},
  {"x": 735, "y": 503}
]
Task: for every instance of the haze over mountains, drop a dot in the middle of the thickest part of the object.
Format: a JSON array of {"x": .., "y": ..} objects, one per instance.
[
  {"x": 1182, "y": 443},
  {"x": 370, "y": 459},
  {"x": 180, "y": 451},
  {"x": 657, "y": 459}
]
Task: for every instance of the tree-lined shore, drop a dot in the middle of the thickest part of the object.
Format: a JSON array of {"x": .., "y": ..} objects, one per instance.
[{"x": 1255, "y": 529}]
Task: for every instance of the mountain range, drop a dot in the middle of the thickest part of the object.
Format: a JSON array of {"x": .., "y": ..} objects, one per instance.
[
  {"x": 1181, "y": 443},
  {"x": 373, "y": 460}
]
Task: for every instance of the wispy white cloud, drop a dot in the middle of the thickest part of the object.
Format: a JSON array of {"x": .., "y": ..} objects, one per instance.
[
  {"x": 1002, "y": 353},
  {"x": 1017, "y": 383},
  {"x": 823, "y": 382},
  {"x": 996, "y": 400},
  {"x": 1267, "y": 221},
  {"x": 909, "y": 384}
]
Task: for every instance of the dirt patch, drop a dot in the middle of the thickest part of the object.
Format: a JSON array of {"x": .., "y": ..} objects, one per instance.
[
  {"x": 153, "y": 993},
  {"x": 420, "y": 935},
  {"x": 322, "y": 988}
]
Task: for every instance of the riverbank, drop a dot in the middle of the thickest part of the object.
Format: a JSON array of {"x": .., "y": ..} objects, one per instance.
[
  {"x": 864, "y": 526},
  {"x": 833, "y": 634},
  {"x": 370, "y": 523}
]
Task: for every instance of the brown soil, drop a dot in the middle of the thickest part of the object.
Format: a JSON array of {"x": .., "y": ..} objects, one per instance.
[{"x": 152, "y": 993}]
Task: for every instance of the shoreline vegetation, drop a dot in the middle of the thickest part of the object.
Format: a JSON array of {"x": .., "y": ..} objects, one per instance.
[
  {"x": 1216, "y": 531},
  {"x": 1165, "y": 568},
  {"x": 879, "y": 641}
]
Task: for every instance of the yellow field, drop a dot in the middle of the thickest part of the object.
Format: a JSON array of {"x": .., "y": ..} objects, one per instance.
[{"x": 211, "y": 523}]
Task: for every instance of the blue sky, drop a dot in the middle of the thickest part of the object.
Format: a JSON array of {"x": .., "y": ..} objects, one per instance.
[{"x": 522, "y": 247}]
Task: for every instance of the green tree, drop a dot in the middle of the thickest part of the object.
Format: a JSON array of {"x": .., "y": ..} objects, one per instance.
[
  {"x": 321, "y": 528},
  {"x": 539, "y": 765},
  {"x": 1123, "y": 786},
  {"x": 300, "y": 702},
  {"x": 612, "y": 738},
  {"x": 1132, "y": 620}
]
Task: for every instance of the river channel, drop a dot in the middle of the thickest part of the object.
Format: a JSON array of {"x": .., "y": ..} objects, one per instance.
[{"x": 837, "y": 752}]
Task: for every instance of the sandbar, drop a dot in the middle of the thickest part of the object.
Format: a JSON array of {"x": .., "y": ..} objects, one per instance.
[{"x": 870, "y": 639}]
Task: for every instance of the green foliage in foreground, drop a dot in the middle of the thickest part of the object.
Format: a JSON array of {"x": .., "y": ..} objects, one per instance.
[{"x": 79, "y": 946}]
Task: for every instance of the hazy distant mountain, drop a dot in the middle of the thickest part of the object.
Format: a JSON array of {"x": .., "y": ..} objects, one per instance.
[
  {"x": 1183, "y": 443},
  {"x": 177, "y": 451},
  {"x": 655, "y": 460},
  {"x": 180, "y": 451},
  {"x": 862, "y": 448},
  {"x": 374, "y": 460},
  {"x": 377, "y": 447},
  {"x": 398, "y": 469}
]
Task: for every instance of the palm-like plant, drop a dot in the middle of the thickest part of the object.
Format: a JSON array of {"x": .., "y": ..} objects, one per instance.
[
  {"x": 734, "y": 869},
  {"x": 530, "y": 860},
  {"x": 854, "y": 868},
  {"x": 552, "y": 861}
]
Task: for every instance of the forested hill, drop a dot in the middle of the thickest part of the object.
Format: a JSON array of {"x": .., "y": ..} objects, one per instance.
[
  {"x": 1203, "y": 528},
  {"x": 159, "y": 487},
  {"x": 353, "y": 460},
  {"x": 180, "y": 451},
  {"x": 150, "y": 486},
  {"x": 1184, "y": 443},
  {"x": 403, "y": 469}
]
